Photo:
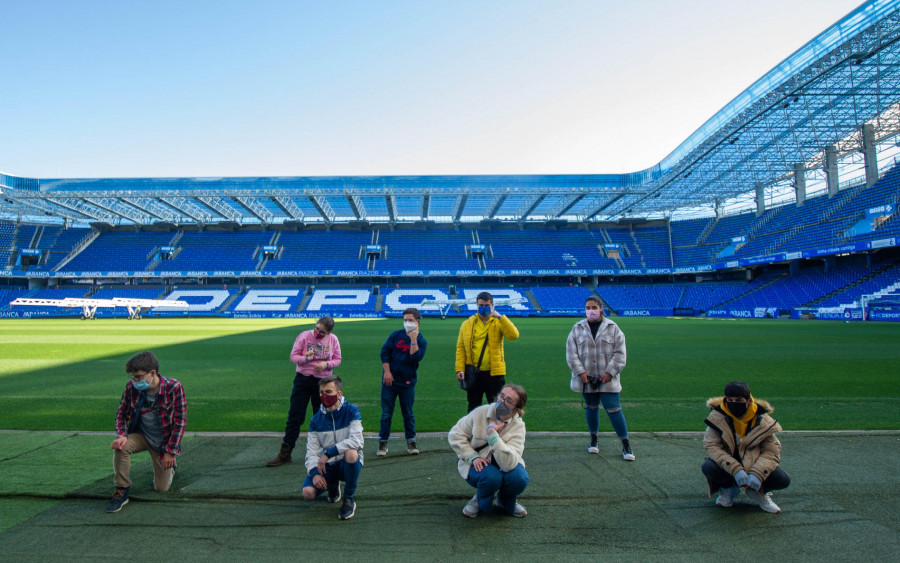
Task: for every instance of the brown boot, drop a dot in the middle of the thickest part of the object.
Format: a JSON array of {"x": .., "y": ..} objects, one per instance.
[{"x": 284, "y": 456}]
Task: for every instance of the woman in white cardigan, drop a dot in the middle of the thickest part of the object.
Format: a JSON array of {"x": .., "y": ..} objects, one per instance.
[{"x": 489, "y": 442}]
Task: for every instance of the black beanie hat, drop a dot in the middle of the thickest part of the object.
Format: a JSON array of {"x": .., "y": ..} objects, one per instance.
[{"x": 737, "y": 389}]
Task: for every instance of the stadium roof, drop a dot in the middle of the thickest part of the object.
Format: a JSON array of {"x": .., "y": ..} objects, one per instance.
[{"x": 819, "y": 97}]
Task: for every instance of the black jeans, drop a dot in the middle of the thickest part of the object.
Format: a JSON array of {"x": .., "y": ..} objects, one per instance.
[
  {"x": 720, "y": 479},
  {"x": 484, "y": 385},
  {"x": 306, "y": 390}
]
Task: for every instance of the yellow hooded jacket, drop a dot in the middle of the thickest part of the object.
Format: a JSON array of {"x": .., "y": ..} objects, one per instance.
[{"x": 498, "y": 329}]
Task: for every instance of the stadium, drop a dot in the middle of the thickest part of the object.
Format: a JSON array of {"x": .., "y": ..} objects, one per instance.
[
  {"x": 780, "y": 210},
  {"x": 783, "y": 204}
]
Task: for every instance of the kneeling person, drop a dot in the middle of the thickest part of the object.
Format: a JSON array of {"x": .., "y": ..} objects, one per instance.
[
  {"x": 334, "y": 448},
  {"x": 742, "y": 450},
  {"x": 151, "y": 416}
]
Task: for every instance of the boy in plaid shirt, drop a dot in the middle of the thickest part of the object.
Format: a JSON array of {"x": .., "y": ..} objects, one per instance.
[{"x": 151, "y": 416}]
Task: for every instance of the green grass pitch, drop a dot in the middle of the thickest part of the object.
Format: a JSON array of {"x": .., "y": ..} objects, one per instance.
[{"x": 69, "y": 374}]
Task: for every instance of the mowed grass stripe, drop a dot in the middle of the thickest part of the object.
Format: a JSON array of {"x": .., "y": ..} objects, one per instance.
[{"x": 63, "y": 374}]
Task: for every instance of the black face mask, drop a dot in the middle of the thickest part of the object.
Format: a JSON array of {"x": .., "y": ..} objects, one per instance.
[{"x": 737, "y": 409}]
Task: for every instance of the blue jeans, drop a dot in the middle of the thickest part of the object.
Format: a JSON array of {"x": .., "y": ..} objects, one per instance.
[
  {"x": 492, "y": 480},
  {"x": 389, "y": 394},
  {"x": 337, "y": 472},
  {"x": 613, "y": 411}
]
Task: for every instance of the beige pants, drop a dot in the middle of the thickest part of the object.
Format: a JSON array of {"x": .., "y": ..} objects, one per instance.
[{"x": 162, "y": 478}]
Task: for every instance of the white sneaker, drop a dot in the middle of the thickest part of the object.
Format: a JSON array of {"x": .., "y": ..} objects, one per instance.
[
  {"x": 471, "y": 508},
  {"x": 726, "y": 496},
  {"x": 627, "y": 454},
  {"x": 763, "y": 500},
  {"x": 519, "y": 510},
  {"x": 594, "y": 447}
]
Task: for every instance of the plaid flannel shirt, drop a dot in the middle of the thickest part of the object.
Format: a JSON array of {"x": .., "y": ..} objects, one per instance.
[{"x": 172, "y": 413}]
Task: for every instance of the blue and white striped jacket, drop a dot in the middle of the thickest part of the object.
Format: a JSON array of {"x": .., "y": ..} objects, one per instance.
[{"x": 333, "y": 433}]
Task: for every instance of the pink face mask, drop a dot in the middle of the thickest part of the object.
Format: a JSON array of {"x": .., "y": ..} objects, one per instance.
[{"x": 592, "y": 314}]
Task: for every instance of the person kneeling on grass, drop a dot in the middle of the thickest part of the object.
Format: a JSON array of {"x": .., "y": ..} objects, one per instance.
[
  {"x": 334, "y": 448},
  {"x": 151, "y": 416},
  {"x": 742, "y": 449},
  {"x": 489, "y": 442}
]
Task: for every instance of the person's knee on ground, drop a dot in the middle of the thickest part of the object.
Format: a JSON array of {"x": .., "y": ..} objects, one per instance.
[
  {"x": 309, "y": 493},
  {"x": 166, "y": 484}
]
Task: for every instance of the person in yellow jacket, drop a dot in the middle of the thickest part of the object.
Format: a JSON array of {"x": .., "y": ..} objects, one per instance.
[{"x": 480, "y": 344}]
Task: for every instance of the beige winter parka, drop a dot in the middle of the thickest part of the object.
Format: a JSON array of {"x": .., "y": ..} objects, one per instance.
[{"x": 759, "y": 453}]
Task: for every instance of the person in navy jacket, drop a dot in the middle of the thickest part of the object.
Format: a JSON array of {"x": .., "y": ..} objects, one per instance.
[
  {"x": 400, "y": 357},
  {"x": 334, "y": 448}
]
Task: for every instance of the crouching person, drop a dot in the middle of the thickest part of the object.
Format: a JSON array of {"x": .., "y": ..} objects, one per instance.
[
  {"x": 334, "y": 448},
  {"x": 742, "y": 451},
  {"x": 151, "y": 416},
  {"x": 489, "y": 442}
]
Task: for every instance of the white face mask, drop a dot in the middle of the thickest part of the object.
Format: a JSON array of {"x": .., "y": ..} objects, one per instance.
[{"x": 410, "y": 325}]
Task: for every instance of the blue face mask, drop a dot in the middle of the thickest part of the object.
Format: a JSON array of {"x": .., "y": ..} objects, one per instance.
[
  {"x": 484, "y": 310},
  {"x": 141, "y": 385}
]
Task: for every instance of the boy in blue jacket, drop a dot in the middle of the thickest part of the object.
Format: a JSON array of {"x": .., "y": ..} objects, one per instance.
[
  {"x": 334, "y": 444},
  {"x": 400, "y": 357}
]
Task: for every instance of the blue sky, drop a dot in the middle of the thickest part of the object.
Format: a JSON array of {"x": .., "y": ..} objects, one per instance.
[{"x": 227, "y": 88}]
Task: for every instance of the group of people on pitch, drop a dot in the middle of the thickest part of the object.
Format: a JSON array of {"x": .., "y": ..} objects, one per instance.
[{"x": 742, "y": 450}]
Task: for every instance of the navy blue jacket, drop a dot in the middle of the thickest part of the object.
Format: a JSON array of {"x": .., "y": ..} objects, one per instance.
[{"x": 404, "y": 365}]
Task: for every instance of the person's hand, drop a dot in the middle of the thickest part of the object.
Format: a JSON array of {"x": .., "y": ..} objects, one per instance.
[
  {"x": 309, "y": 354},
  {"x": 495, "y": 314},
  {"x": 119, "y": 443},
  {"x": 479, "y": 463},
  {"x": 413, "y": 335},
  {"x": 741, "y": 478},
  {"x": 319, "y": 482},
  {"x": 321, "y": 366},
  {"x": 496, "y": 427},
  {"x": 388, "y": 378},
  {"x": 168, "y": 460},
  {"x": 322, "y": 461},
  {"x": 753, "y": 482},
  {"x": 583, "y": 377},
  {"x": 460, "y": 375},
  {"x": 605, "y": 378}
]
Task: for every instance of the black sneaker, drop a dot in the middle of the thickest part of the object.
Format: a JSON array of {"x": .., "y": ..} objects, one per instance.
[
  {"x": 335, "y": 495},
  {"x": 382, "y": 449},
  {"x": 119, "y": 499},
  {"x": 411, "y": 448},
  {"x": 627, "y": 454},
  {"x": 348, "y": 509},
  {"x": 594, "y": 448}
]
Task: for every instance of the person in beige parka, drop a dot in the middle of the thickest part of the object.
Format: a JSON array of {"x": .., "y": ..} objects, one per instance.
[{"x": 742, "y": 450}]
